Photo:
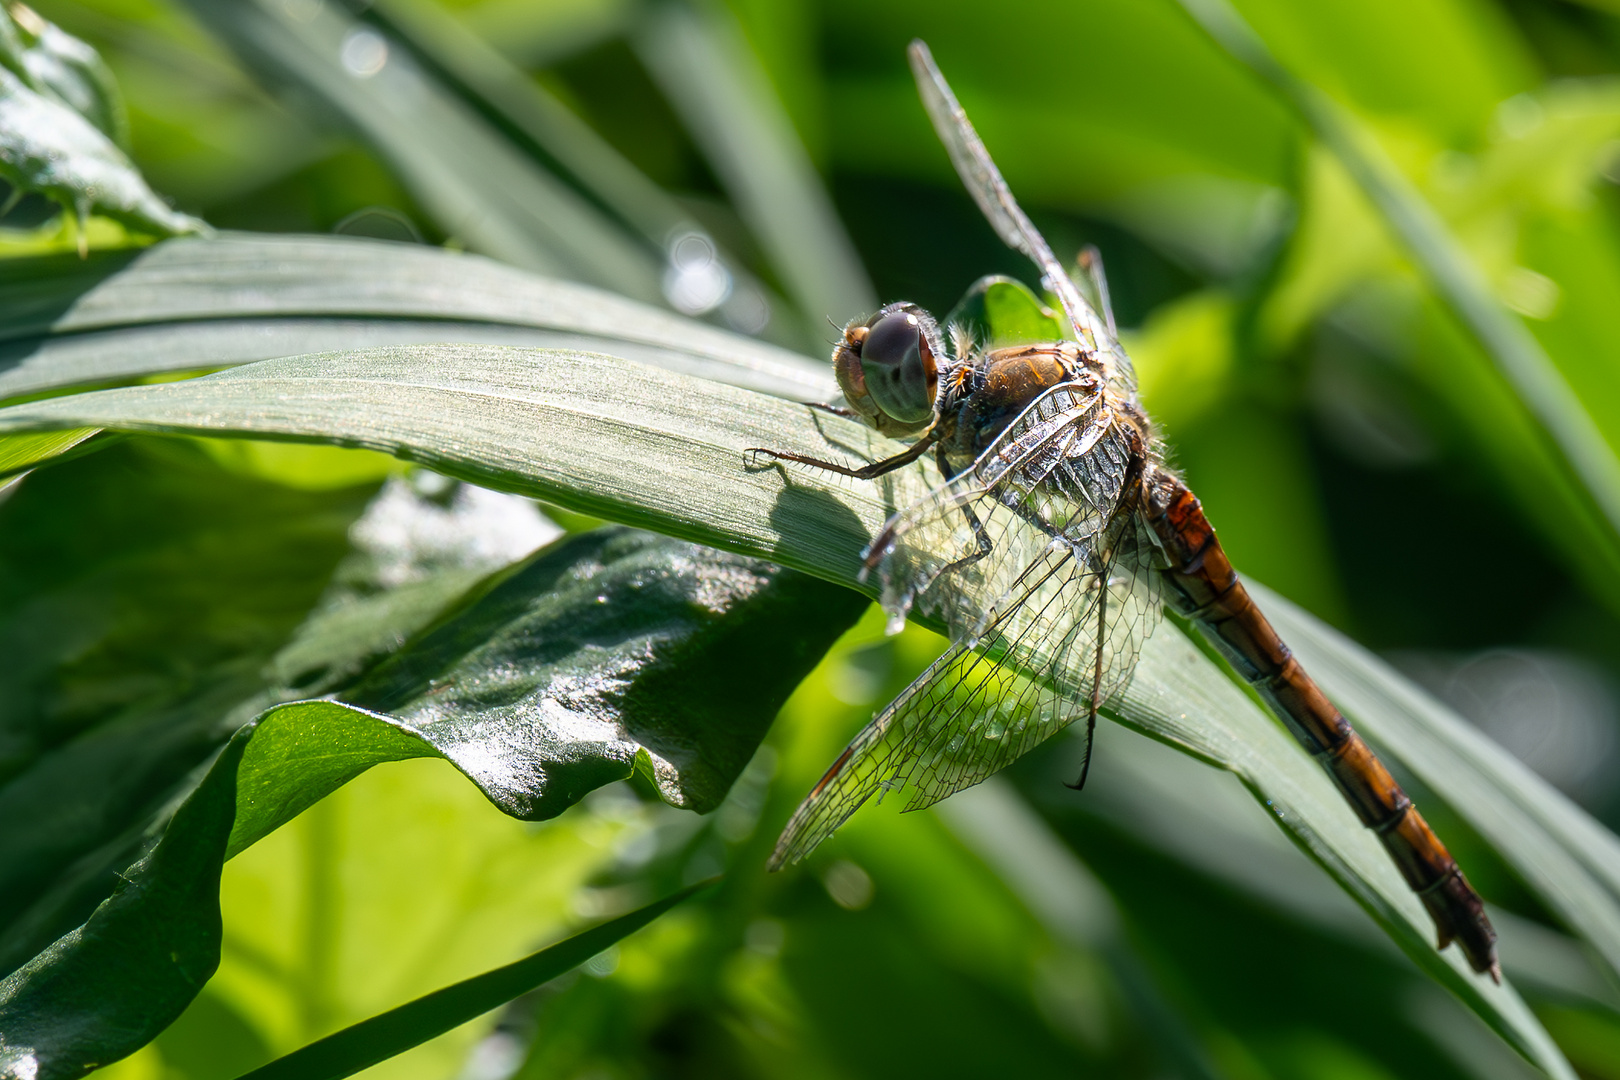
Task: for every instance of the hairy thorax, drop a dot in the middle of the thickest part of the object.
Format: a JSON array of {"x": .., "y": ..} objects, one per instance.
[{"x": 990, "y": 390}]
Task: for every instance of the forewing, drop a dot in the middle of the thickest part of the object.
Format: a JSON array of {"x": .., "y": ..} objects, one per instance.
[
  {"x": 1056, "y": 471},
  {"x": 995, "y": 198},
  {"x": 1065, "y": 637}
]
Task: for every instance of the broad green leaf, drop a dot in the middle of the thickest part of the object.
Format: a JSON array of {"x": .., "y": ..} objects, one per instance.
[
  {"x": 47, "y": 147},
  {"x": 640, "y": 445},
  {"x": 61, "y": 67},
  {"x": 477, "y": 186},
  {"x": 103, "y": 990},
  {"x": 330, "y": 919},
  {"x": 594, "y": 659},
  {"x": 142, "y": 590},
  {"x": 190, "y": 305},
  {"x": 397, "y": 1030},
  {"x": 156, "y": 938},
  {"x": 605, "y": 655}
]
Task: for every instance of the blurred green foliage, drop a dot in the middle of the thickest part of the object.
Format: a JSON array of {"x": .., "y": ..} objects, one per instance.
[{"x": 1355, "y": 447}]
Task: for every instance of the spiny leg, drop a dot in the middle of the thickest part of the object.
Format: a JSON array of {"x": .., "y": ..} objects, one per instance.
[
  {"x": 836, "y": 410},
  {"x": 980, "y": 536},
  {"x": 865, "y": 472},
  {"x": 1096, "y": 682}
]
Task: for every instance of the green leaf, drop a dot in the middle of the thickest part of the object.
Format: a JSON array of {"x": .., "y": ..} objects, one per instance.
[
  {"x": 104, "y": 989},
  {"x": 397, "y": 1030},
  {"x": 189, "y": 305},
  {"x": 594, "y": 659},
  {"x": 156, "y": 939},
  {"x": 47, "y": 147},
  {"x": 142, "y": 592},
  {"x": 999, "y": 311},
  {"x": 63, "y": 130},
  {"x": 59, "y": 66},
  {"x": 666, "y": 451},
  {"x": 1568, "y": 857},
  {"x": 19, "y": 453},
  {"x": 605, "y": 654}
]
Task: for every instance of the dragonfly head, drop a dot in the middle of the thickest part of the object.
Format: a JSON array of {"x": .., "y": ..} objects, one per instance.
[{"x": 888, "y": 368}]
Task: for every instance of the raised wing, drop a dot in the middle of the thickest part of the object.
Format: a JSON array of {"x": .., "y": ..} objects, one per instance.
[
  {"x": 984, "y": 181},
  {"x": 1037, "y": 559}
]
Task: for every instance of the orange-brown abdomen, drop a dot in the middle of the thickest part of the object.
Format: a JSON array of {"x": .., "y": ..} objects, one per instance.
[{"x": 1201, "y": 584}]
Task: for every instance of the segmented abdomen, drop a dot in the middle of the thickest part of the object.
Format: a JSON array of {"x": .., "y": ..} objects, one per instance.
[{"x": 1201, "y": 584}]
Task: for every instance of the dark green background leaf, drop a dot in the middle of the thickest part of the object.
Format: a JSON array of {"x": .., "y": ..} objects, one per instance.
[
  {"x": 533, "y": 685},
  {"x": 611, "y": 650},
  {"x": 143, "y": 590}
]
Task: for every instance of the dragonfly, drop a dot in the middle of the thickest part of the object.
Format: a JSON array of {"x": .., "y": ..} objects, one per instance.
[{"x": 1049, "y": 552}]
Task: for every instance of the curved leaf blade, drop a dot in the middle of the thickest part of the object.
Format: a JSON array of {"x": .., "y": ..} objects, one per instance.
[
  {"x": 189, "y": 305},
  {"x": 103, "y": 990},
  {"x": 534, "y": 686}
]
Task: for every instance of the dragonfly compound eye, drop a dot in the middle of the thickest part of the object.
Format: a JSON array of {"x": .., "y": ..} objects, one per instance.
[{"x": 897, "y": 360}]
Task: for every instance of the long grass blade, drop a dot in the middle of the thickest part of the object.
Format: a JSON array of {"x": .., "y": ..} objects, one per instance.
[
  {"x": 392, "y": 1033},
  {"x": 712, "y": 77},
  {"x": 474, "y": 183},
  {"x": 1571, "y": 860},
  {"x": 181, "y": 307}
]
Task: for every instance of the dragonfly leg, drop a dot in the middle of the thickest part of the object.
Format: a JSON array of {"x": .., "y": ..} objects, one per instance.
[
  {"x": 1096, "y": 681},
  {"x": 836, "y": 410},
  {"x": 865, "y": 472},
  {"x": 885, "y": 539}
]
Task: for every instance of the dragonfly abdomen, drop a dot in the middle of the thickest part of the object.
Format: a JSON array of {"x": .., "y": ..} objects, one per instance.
[{"x": 1202, "y": 585}]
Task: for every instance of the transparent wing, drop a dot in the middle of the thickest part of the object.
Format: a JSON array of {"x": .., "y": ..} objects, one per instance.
[
  {"x": 990, "y": 191},
  {"x": 1063, "y": 639},
  {"x": 1056, "y": 471}
]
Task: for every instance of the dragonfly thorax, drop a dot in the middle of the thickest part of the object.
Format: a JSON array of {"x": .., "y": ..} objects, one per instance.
[{"x": 989, "y": 390}]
